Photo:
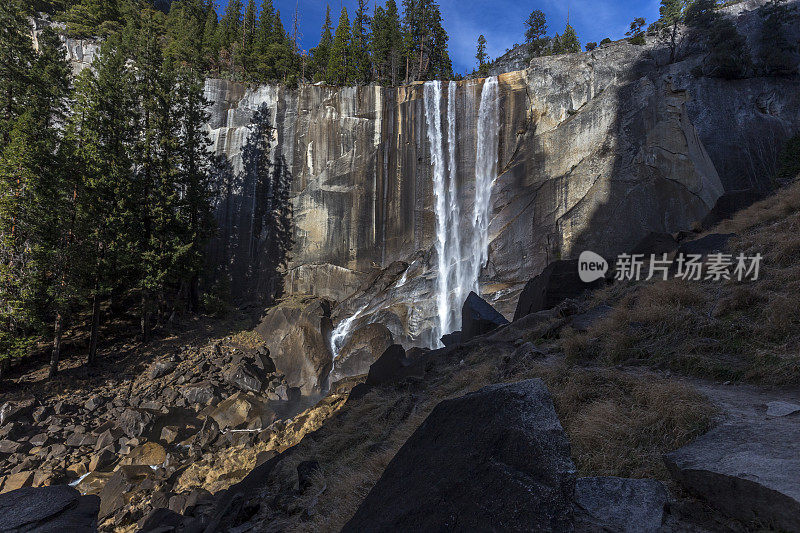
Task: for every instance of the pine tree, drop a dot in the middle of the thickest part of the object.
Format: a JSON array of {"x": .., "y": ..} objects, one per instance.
[
  {"x": 90, "y": 18},
  {"x": 39, "y": 236},
  {"x": 185, "y": 27},
  {"x": 246, "y": 50},
  {"x": 481, "y": 56},
  {"x": 778, "y": 56},
  {"x": 729, "y": 56},
  {"x": 671, "y": 12},
  {"x": 536, "y": 33},
  {"x": 338, "y": 71},
  {"x": 567, "y": 43},
  {"x": 701, "y": 14},
  {"x": 230, "y": 31},
  {"x": 194, "y": 179},
  {"x": 359, "y": 46},
  {"x": 426, "y": 41},
  {"x": 211, "y": 42},
  {"x": 102, "y": 131},
  {"x": 387, "y": 43},
  {"x": 636, "y": 32},
  {"x": 321, "y": 54},
  {"x": 265, "y": 27}
]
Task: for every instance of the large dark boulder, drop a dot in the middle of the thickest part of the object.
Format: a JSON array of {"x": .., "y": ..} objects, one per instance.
[
  {"x": 479, "y": 318},
  {"x": 493, "y": 460},
  {"x": 749, "y": 470},
  {"x": 392, "y": 365},
  {"x": 48, "y": 509},
  {"x": 559, "y": 281},
  {"x": 363, "y": 347},
  {"x": 728, "y": 205},
  {"x": 604, "y": 504},
  {"x": 296, "y": 332}
]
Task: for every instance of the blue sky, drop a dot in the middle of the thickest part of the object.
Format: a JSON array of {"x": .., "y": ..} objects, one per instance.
[{"x": 501, "y": 21}]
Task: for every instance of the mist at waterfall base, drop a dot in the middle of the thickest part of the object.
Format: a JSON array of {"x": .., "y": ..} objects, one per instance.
[{"x": 462, "y": 246}]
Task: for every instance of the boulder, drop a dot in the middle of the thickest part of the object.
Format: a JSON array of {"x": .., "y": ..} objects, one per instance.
[
  {"x": 656, "y": 244},
  {"x": 748, "y": 470},
  {"x": 391, "y": 366},
  {"x": 296, "y": 332},
  {"x": 148, "y": 454},
  {"x": 245, "y": 376},
  {"x": 17, "y": 410},
  {"x": 161, "y": 368},
  {"x": 728, "y": 205},
  {"x": 558, "y": 282},
  {"x": 18, "y": 481},
  {"x": 102, "y": 460},
  {"x": 712, "y": 243},
  {"x": 114, "y": 494},
  {"x": 478, "y": 317},
  {"x": 363, "y": 347},
  {"x": 494, "y": 460},
  {"x": 604, "y": 504},
  {"x": 779, "y": 408},
  {"x": 583, "y": 321},
  {"x": 203, "y": 393},
  {"x": 242, "y": 409},
  {"x": 451, "y": 339},
  {"x": 134, "y": 422},
  {"x": 48, "y": 509}
]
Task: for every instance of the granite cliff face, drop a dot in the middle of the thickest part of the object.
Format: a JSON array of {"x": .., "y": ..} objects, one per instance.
[{"x": 595, "y": 150}]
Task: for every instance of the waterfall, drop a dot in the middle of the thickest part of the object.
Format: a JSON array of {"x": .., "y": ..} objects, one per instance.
[
  {"x": 444, "y": 245},
  {"x": 485, "y": 175},
  {"x": 460, "y": 263}
]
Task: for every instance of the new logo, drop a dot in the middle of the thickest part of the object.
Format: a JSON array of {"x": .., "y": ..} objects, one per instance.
[{"x": 591, "y": 267}]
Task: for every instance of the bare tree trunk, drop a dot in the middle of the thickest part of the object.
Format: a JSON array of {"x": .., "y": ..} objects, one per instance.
[
  {"x": 95, "y": 334},
  {"x": 145, "y": 319},
  {"x": 56, "y": 355}
]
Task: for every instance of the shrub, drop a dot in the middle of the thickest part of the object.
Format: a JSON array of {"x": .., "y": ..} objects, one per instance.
[
  {"x": 789, "y": 160},
  {"x": 590, "y": 46},
  {"x": 729, "y": 56}
]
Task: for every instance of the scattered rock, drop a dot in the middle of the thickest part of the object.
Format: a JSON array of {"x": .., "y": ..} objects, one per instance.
[
  {"x": 114, "y": 492},
  {"x": 162, "y": 368},
  {"x": 242, "y": 409},
  {"x": 134, "y": 422},
  {"x": 558, "y": 282},
  {"x": 48, "y": 509},
  {"x": 246, "y": 377},
  {"x": 102, "y": 460},
  {"x": 11, "y": 411},
  {"x": 496, "y": 459},
  {"x": 203, "y": 393},
  {"x": 9, "y": 446},
  {"x": 451, "y": 339},
  {"x": 747, "y": 470},
  {"x": 93, "y": 403},
  {"x": 148, "y": 454},
  {"x": 782, "y": 408},
  {"x": 619, "y": 505},
  {"x": 17, "y": 481},
  {"x": 479, "y": 318},
  {"x": 169, "y": 434}
]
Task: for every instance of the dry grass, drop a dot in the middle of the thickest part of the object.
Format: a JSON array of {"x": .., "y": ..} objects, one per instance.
[
  {"x": 618, "y": 425},
  {"x": 740, "y": 331}
]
